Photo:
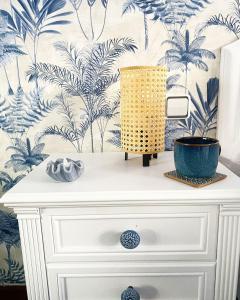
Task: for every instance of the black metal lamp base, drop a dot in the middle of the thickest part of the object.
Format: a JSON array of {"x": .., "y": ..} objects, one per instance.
[{"x": 146, "y": 158}]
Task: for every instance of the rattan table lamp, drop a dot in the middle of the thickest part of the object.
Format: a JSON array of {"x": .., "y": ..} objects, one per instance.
[{"x": 143, "y": 110}]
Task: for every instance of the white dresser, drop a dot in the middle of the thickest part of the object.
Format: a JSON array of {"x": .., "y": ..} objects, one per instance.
[{"x": 186, "y": 241}]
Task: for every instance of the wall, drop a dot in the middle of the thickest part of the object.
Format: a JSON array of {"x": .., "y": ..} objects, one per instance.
[{"x": 59, "y": 81}]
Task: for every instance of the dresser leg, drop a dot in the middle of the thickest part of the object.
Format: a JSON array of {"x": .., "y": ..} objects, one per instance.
[
  {"x": 228, "y": 253},
  {"x": 126, "y": 156},
  {"x": 33, "y": 254},
  {"x": 155, "y": 155}
]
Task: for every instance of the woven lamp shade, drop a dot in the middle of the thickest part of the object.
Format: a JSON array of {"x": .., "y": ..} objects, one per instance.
[{"x": 143, "y": 106}]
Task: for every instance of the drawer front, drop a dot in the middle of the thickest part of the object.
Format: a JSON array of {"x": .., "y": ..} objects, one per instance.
[
  {"x": 155, "y": 282},
  {"x": 182, "y": 233}
]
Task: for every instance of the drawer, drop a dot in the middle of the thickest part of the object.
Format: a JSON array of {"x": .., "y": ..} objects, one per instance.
[
  {"x": 165, "y": 233},
  {"x": 151, "y": 281}
]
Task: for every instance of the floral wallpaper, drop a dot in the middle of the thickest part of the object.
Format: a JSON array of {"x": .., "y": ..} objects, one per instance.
[{"x": 59, "y": 79}]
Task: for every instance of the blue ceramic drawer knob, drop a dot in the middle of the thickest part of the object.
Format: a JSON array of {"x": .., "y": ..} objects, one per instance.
[
  {"x": 130, "y": 239},
  {"x": 130, "y": 294}
]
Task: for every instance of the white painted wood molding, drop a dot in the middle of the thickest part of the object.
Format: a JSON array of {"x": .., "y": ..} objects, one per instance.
[
  {"x": 33, "y": 253},
  {"x": 228, "y": 252}
]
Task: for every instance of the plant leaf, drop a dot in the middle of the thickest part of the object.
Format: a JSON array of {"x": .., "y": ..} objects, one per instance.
[
  {"x": 91, "y": 2},
  {"x": 104, "y": 3}
]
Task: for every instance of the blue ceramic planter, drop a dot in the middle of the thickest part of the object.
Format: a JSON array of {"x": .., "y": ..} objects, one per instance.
[{"x": 196, "y": 157}]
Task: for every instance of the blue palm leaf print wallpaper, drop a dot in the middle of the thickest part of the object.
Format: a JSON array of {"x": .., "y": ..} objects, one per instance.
[{"x": 59, "y": 79}]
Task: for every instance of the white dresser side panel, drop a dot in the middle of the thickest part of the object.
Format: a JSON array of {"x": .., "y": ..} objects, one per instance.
[
  {"x": 228, "y": 253},
  {"x": 33, "y": 253}
]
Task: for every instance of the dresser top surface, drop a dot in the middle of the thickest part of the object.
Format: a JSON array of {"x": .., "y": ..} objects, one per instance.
[{"x": 108, "y": 177}]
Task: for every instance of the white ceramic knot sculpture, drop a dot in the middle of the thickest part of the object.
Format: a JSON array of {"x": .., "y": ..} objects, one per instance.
[{"x": 65, "y": 170}]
